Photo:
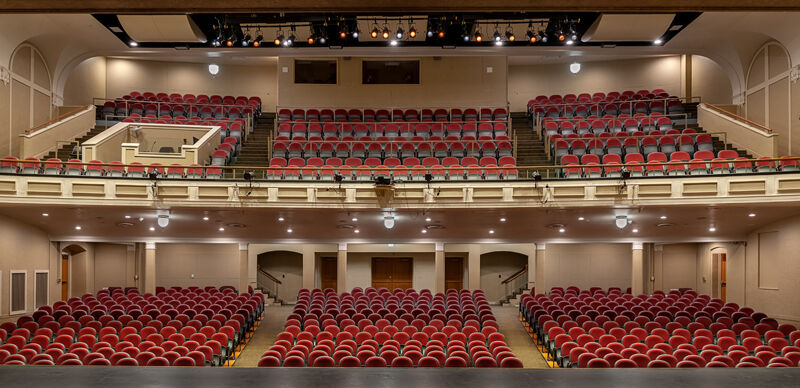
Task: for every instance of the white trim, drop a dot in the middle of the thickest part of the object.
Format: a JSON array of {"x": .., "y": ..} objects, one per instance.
[
  {"x": 439, "y": 247},
  {"x": 31, "y": 84},
  {"x": 637, "y": 245},
  {"x": 11, "y": 292},
  {"x": 150, "y": 245},
  {"x": 342, "y": 246},
  {"x": 243, "y": 246},
  {"x": 766, "y": 86},
  {"x": 541, "y": 246},
  {"x": 35, "y": 284}
]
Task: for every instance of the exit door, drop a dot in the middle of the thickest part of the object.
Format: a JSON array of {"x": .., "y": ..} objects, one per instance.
[{"x": 391, "y": 272}]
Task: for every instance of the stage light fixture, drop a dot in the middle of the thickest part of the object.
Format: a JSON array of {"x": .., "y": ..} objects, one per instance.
[
  {"x": 375, "y": 32},
  {"x": 466, "y": 38},
  {"x": 248, "y": 175},
  {"x": 279, "y": 38},
  {"x": 388, "y": 221},
  {"x": 441, "y": 34},
  {"x": 412, "y": 32},
  {"x": 133, "y": 43},
  {"x": 246, "y": 39},
  {"x": 543, "y": 37},
  {"x": 258, "y": 40},
  {"x": 355, "y": 33},
  {"x": 572, "y": 34},
  {"x": 229, "y": 43},
  {"x": 310, "y": 39},
  {"x": 322, "y": 39},
  {"x": 510, "y": 34},
  {"x": 343, "y": 34},
  {"x": 497, "y": 36},
  {"x": 658, "y": 41},
  {"x": 399, "y": 33},
  {"x": 621, "y": 221},
  {"x": 561, "y": 36},
  {"x": 213, "y": 69},
  {"x": 478, "y": 37},
  {"x": 532, "y": 36},
  {"x": 385, "y": 33}
]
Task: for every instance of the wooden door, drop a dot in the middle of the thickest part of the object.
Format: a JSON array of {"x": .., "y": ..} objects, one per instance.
[
  {"x": 328, "y": 272},
  {"x": 454, "y": 273},
  {"x": 391, "y": 272},
  {"x": 64, "y": 277},
  {"x": 723, "y": 277}
]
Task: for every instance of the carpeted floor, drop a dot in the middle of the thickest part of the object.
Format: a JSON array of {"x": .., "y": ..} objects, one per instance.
[
  {"x": 517, "y": 338},
  {"x": 271, "y": 325}
]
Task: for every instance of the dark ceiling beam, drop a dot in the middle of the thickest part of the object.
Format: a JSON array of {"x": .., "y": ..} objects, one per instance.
[{"x": 371, "y": 6}]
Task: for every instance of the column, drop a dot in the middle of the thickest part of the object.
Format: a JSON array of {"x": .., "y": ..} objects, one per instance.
[
  {"x": 532, "y": 267},
  {"x": 637, "y": 269},
  {"x": 150, "y": 268},
  {"x": 309, "y": 266},
  {"x": 541, "y": 266},
  {"x": 243, "y": 280},
  {"x": 686, "y": 75},
  {"x": 341, "y": 269},
  {"x": 474, "y": 267},
  {"x": 438, "y": 265}
]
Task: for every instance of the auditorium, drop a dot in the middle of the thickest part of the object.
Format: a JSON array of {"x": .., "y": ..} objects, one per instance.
[{"x": 385, "y": 194}]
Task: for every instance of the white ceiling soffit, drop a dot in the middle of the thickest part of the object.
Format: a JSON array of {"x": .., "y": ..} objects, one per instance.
[
  {"x": 628, "y": 27},
  {"x": 161, "y": 28}
]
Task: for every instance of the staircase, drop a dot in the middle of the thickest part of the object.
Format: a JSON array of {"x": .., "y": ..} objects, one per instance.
[
  {"x": 719, "y": 145},
  {"x": 255, "y": 148},
  {"x": 65, "y": 152},
  {"x": 530, "y": 147},
  {"x": 269, "y": 299},
  {"x": 513, "y": 299}
]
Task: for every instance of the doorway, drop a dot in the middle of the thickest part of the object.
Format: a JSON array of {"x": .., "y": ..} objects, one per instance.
[
  {"x": 64, "y": 276},
  {"x": 453, "y": 273},
  {"x": 328, "y": 272},
  {"x": 722, "y": 259},
  {"x": 392, "y": 272}
]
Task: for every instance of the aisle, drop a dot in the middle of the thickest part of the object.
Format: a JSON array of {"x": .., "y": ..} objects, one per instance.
[
  {"x": 517, "y": 338},
  {"x": 274, "y": 319}
]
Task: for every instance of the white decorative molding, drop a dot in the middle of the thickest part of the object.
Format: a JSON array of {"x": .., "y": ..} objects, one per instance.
[
  {"x": 540, "y": 247},
  {"x": 342, "y": 246},
  {"x": 243, "y": 246},
  {"x": 149, "y": 245},
  {"x": 439, "y": 247},
  {"x": 5, "y": 75},
  {"x": 637, "y": 245}
]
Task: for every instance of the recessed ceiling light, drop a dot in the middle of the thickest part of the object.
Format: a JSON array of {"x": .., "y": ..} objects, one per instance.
[
  {"x": 427, "y": 219},
  {"x": 562, "y": 230},
  {"x": 658, "y": 41},
  {"x": 45, "y": 214},
  {"x": 712, "y": 229},
  {"x": 128, "y": 217},
  {"x": 289, "y": 230},
  {"x": 78, "y": 227},
  {"x": 205, "y": 218},
  {"x": 390, "y": 245},
  {"x": 355, "y": 219},
  {"x": 751, "y": 215},
  {"x": 581, "y": 218},
  {"x": 663, "y": 217},
  {"x": 502, "y": 220},
  {"x": 281, "y": 219},
  {"x": 424, "y": 231},
  {"x": 355, "y": 231},
  {"x": 152, "y": 228},
  {"x": 635, "y": 230},
  {"x": 491, "y": 232},
  {"x": 221, "y": 229}
]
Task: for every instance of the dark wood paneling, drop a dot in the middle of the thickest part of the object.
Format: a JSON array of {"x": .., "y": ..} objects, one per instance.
[
  {"x": 392, "y": 272},
  {"x": 328, "y": 272},
  {"x": 454, "y": 273}
]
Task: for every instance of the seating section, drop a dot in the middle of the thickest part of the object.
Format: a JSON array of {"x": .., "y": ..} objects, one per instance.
[
  {"x": 407, "y": 144},
  {"x": 400, "y": 329},
  {"x": 608, "y": 329},
  {"x": 175, "y": 327},
  {"x": 73, "y": 167},
  {"x": 599, "y": 103},
  {"x": 154, "y": 106}
]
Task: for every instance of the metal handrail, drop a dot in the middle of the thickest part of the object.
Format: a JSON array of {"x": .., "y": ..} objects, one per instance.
[
  {"x": 601, "y": 103},
  {"x": 265, "y": 273},
  {"x": 739, "y": 118},
  {"x": 515, "y": 275}
]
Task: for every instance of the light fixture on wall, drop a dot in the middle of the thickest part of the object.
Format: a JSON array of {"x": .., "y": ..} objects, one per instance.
[
  {"x": 574, "y": 67},
  {"x": 163, "y": 218},
  {"x": 621, "y": 221},
  {"x": 388, "y": 221},
  {"x": 658, "y": 42},
  {"x": 133, "y": 43},
  {"x": 213, "y": 69}
]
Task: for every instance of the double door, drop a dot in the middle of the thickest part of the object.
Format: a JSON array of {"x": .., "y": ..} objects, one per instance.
[{"x": 392, "y": 272}]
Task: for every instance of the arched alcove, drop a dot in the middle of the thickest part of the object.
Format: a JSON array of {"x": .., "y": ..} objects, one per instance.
[
  {"x": 768, "y": 98},
  {"x": 72, "y": 270},
  {"x": 30, "y": 93},
  {"x": 496, "y": 268},
  {"x": 286, "y": 267}
]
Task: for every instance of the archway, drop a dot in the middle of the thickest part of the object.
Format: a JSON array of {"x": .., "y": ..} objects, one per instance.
[
  {"x": 768, "y": 98},
  {"x": 280, "y": 274},
  {"x": 719, "y": 273},
  {"x": 31, "y": 92},
  {"x": 503, "y": 274},
  {"x": 69, "y": 255}
]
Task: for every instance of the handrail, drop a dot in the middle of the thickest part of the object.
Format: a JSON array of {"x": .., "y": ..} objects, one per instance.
[
  {"x": 739, "y": 118},
  {"x": 57, "y": 119},
  {"x": 515, "y": 275},
  {"x": 273, "y": 278}
]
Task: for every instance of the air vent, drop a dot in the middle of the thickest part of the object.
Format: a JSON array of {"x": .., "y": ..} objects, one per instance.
[
  {"x": 434, "y": 226},
  {"x": 676, "y": 27},
  {"x": 345, "y": 226},
  {"x": 555, "y": 226},
  {"x": 115, "y": 29},
  {"x": 125, "y": 224},
  {"x": 236, "y": 225},
  {"x": 664, "y": 225}
]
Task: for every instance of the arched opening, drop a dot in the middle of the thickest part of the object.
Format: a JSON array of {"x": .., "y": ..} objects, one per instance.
[
  {"x": 768, "y": 99},
  {"x": 280, "y": 274},
  {"x": 503, "y": 274},
  {"x": 70, "y": 256},
  {"x": 31, "y": 92},
  {"x": 719, "y": 273}
]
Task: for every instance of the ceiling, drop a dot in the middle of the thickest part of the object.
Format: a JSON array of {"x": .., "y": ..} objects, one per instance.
[{"x": 685, "y": 224}]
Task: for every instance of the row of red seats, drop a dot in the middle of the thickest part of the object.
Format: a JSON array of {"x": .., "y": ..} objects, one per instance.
[
  {"x": 54, "y": 166},
  {"x": 341, "y": 115},
  {"x": 169, "y": 110},
  {"x": 180, "y": 327},
  {"x": 191, "y": 98},
  {"x": 598, "y": 96},
  {"x": 611, "y": 125},
  {"x": 392, "y": 130},
  {"x": 385, "y": 337},
  {"x": 367, "y": 148}
]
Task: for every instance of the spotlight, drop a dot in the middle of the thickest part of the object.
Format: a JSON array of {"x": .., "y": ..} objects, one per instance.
[
  {"x": 491, "y": 232},
  {"x": 561, "y": 230},
  {"x": 343, "y": 34},
  {"x": 354, "y": 219},
  {"x": 510, "y": 36},
  {"x": 581, "y": 218},
  {"x": 289, "y": 230},
  {"x": 478, "y": 37},
  {"x": 441, "y": 34},
  {"x": 229, "y": 43},
  {"x": 382, "y": 180},
  {"x": 625, "y": 173},
  {"x": 215, "y": 43},
  {"x": 356, "y": 231},
  {"x": 355, "y": 34},
  {"x": 428, "y": 177},
  {"x": 412, "y": 32},
  {"x": 663, "y": 217},
  {"x": 374, "y": 33},
  {"x": 393, "y": 43},
  {"x": 532, "y": 36},
  {"x": 281, "y": 219},
  {"x": 427, "y": 219},
  {"x": 279, "y": 39},
  {"x": 502, "y": 220},
  {"x": 635, "y": 230},
  {"x": 213, "y": 69},
  {"x": 561, "y": 36},
  {"x": 133, "y": 43},
  {"x": 290, "y": 41},
  {"x": 246, "y": 39},
  {"x": 712, "y": 229},
  {"x": 498, "y": 43},
  {"x": 466, "y": 38},
  {"x": 221, "y": 229},
  {"x": 536, "y": 176},
  {"x": 570, "y": 42},
  {"x": 573, "y": 35},
  {"x": 424, "y": 231},
  {"x": 497, "y": 36},
  {"x": 399, "y": 33},
  {"x": 322, "y": 39},
  {"x": 338, "y": 178},
  {"x": 153, "y": 175},
  {"x": 257, "y": 42},
  {"x": 205, "y": 218},
  {"x": 751, "y": 215},
  {"x": 543, "y": 37},
  {"x": 310, "y": 39},
  {"x": 658, "y": 41},
  {"x": 78, "y": 227},
  {"x": 163, "y": 220},
  {"x": 385, "y": 33},
  {"x": 248, "y": 175}
]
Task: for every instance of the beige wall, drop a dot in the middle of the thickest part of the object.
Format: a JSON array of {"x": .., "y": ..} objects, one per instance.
[
  {"x": 588, "y": 265},
  {"x": 677, "y": 267},
  {"x": 126, "y": 75},
  {"x": 27, "y": 248},
  {"x": 445, "y": 82},
  {"x": 211, "y": 265},
  {"x": 710, "y": 82},
  {"x": 6, "y": 136},
  {"x": 359, "y": 268},
  {"x": 497, "y": 267},
  {"x": 113, "y": 266},
  {"x": 87, "y": 81},
  {"x": 525, "y": 82},
  {"x": 780, "y": 301}
]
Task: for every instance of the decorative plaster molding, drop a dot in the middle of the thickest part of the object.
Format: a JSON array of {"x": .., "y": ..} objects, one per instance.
[
  {"x": 541, "y": 247},
  {"x": 637, "y": 245},
  {"x": 342, "y": 246},
  {"x": 794, "y": 74},
  {"x": 439, "y": 247},
  {"x": 5, "y": 75},
  {"x": 149, "y": 245},
  {"x": 243, "y": 246}
]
